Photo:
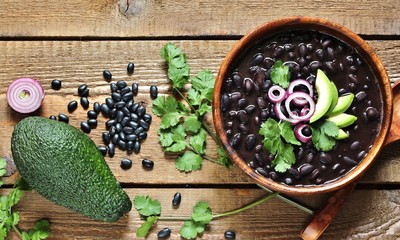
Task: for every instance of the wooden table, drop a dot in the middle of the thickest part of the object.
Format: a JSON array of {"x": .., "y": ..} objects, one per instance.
[{"x": 76, "y": 40}]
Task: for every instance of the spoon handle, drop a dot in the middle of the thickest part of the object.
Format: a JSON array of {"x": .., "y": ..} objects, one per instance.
[{"x": 324, "y": 217}]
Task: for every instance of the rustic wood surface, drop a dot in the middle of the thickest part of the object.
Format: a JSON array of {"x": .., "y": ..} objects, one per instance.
[{"x": 75, "y": 40}]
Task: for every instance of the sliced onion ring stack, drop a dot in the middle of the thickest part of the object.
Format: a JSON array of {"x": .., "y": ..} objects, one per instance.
[
  {"x": 296, "y": 83},
  {"x": 300, "y": 96},
  {"x": 25, "y": 95},
  {"x": 276, "y": 98}
]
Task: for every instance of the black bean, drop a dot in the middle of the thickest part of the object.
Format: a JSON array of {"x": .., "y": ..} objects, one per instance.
[
  {"x": 236, "y": 140},
  {"x": 224, "y": 102},
  {"x": 262, "y": 171},
  {"x": 109, "y": 102},
  {"x": 361, "y": 155},
  {"x": 261, "y": 103},
  {"x": 301, "y": 153},
  {"x": 176, "y": 200},
  {"x": 116, "y": 96},
  {"x": 119, "y": 116},
  {"x": 372, "y": 113},
  {"x": 111, "y": 150},
  {"x": 237, "y": 79},
  {"x": 235, "y": 96},
  {"x": 85, "y": 127},
  {"x": 278, "y": 52},
  {"x": 139, "y": 130},
  {"x": 129, "y": 146},
  {"x": 349, "y": 161},
  {"x": 243, "y": 118},
  {"x": 126, "y": 111},
  {"x": 130, "y": 68},
  {"x": 259, "y": 158},
  {"x": 325, "y": 158},
  {"x": 125, "y": 121},
  {"x": 127, "y": 96},
  {"x": 142, "y": 135},
  {"x": 96, "y": 107},
  {"x": 52, "y": 117},
  {"x": 121, "y": 84},
  {"x": 336, "y": 166},
  {"x": 121, "y": 144},
  {"x": 257, "y": 59},
  {"x": 331, "y": 66},
  {"x": 109, "y": 123},
  {"x": 106, "y": 137},
  {"x": 125, "y": 90},
  {"x": 320, "y": 54},
  {"x": 314, "y": 174},
  {"x": 153, "y": 91},
  {"x": 147, "y": 163},
  {"x": 134, "y": 107},
  {"x": 126, "y": 163},
  {"x": 306, "y": 169},
  {"x": 274, "y": 176},
  {"x": 72, "y": 106},
  {"x": 326, "y": 43},
  {"x": 92, "y": 114},
  {"x": 118, "y": 127},
  {"x": 315, "y": 65},
  {"x": 63, "y": 118},
  {"x": 141, "y": 110},
  {"x": 82, "y": 88},
  {"x": 85, "y": 93},
  {"x": 250, "y": 109},
  {"x": 115, "y": 138},
  {"x": 120, "y": 104},
  {"x": 288, "y": 181},
  {"x": 135, "y": 88},
  {"x": 131, "y": 137},
  {"x": 310, "y": 157},
  {"x": 92, "y": 123},
  {"x": 166, "y": 232},
  {"x": 112, "y": 131},
  {"x": 147, "y": 118},
  {"x": 264, "y": 114},
  {"x": 56, "y": 84},
  {"x": 144, "y": 124},
  {"x": 355, "y": 145},
  {"x": 230, "y": 235},
  {"x": 295, "y": 173},
  {"x": 133, "y": 124},
  {"x": 102, "y": 150},
  {"x": 361, "y": 96},
  {"x": 105, "y": 110},
  {"x": 122, "y": 136},
  {"x": 250, "y": 141},
  {"x": 107, "y": 75},
  {"x": 302, "y": 49},
  {"x": 85, "y": 102},
  {"x": 113, "y": 87},
  {"x": 136, "y": 146}
]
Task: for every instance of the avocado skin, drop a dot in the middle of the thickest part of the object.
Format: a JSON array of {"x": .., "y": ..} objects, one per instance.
[{"x": 64, "y": 165}]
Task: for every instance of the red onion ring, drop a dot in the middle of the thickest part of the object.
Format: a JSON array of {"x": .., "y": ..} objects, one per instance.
[
  {"x": 295, "y": 83},
  {"x": 299, "y": 134},
  {"x": 300, "y": 95},
  {"x": 276, "y": 98},
  {"x": 25, "y": 95},
  {"x": 281, "y": 116}
]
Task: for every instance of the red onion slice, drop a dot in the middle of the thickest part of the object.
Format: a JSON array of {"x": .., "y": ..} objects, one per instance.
[
  {"x": 298, "y": 133},
  {"x": 25, "y": 95},
  {"x": 300, "y": 95},
  {"x": 298, "y": 82},
  {"x": 281, "y": 116},
  {"x": 276, "y": 98}
]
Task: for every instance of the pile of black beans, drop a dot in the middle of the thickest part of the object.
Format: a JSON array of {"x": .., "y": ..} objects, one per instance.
[{"x": 245, "y": 104}]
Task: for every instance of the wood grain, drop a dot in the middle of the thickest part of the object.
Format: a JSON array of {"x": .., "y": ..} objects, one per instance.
[
  {"x": 77, "y": 62},
  {"x": 367, "y": 215},
  {"x": 161, "y": 18}
]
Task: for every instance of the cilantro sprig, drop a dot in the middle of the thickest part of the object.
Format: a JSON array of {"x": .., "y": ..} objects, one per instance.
[
  {"x": 279, "y": 140},
  {"x": 324, "y": 134},
  {"x": 9, "y": 219},
  {"x": 193, "y": 225},
  {"x": 280, "y": 74},
  {"x": 183, "y": 130}
]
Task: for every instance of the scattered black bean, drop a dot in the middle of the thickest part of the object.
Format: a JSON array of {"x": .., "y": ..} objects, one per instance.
[
  {"x": 116, "y": 96},
  {"x": 306, "y": 169},
  {"x": 110, "y": 102},
  {"x": 106, "y": 137},
  {"x": 142, "y": 135},
  {"x": 147, "y": 163},
  {"x": 82, "y": 88},
  {"x": 349, "y": 161},
  {"x": 107, "y": 75},
  {"x": 165, "y": 233},
  {"x": 103, "y": 150},
  {"x": 52, "y": 117},
  {"x": 372, "y": 113},
  {"x": 147, "y": 118},
  {"x": 135, "y": 88},
  {"x": 136, "y": 146},
  {"x": 127, "y": 96},
  {"x": 230, "y": 234},
  {"x": 92, "y": 114},
  {"x": 72, "y": 106},
  {"x": 96, "y": 107},
  {"x": 56, "y": 84},
  {"x": 63, "y": 118},
  {"x": 130, "y": 68},
  {"x": 85, "y": 102},
  {"x": 121, "y": 143},
  {"x": 153, "y": 91},
  {"x": 85, "y": 127},
  {"x": 176, "y": 200},
  {"x": 126, "y": 163},
  {"x": 111, "y": 150},
  {"x": 92, "y": 123}
]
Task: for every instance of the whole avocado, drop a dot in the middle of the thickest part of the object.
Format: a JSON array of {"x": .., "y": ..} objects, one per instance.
[{"x": 64, "y": 165}]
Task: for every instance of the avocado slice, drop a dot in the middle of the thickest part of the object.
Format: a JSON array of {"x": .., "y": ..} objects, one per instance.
[
  {"x": 341, "y": 135},
  {"x": 342, "y": 120},
  {"x": 342, "y": 105},
  {"x": 326, "y": 95},
  {"x": 64, "y": 165}
]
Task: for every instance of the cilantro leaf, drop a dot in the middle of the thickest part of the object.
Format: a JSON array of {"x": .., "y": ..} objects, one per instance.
[
  {"x": 170, "y": 119},
  {"x": 194, "y": 97},
  {"x": 280, "y": 74},
  {"x": 41, "y": 230},
  {"x": 198, "y": 141},
  {"x": 3, "y": 165},
  {"x": 178, "y": 76},
  {"x": 223, "y": 158},
  {"x": 163, "y": 105},
  {"x": 204, "y": 83},
  {"x": 285, "y": 159},
  {"x": 204, "y": 108},
  {"x": 178, "y": 137},
  {"x": 202, "y": 213},
  {"x": 144, "y": 229},
  {"x": 189, "y": 161},
  {"x": 287, "y": 133},
  {"x": 178, "y": 70},
  {"x": 323, "y": 135},
  {"x": 190, "y": 229},
  {"x": 146, "y": 206},
  {"x": 192, "y": 124}
]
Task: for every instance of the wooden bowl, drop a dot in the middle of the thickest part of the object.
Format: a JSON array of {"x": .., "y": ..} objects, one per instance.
[{"x": 342, "y": 34}]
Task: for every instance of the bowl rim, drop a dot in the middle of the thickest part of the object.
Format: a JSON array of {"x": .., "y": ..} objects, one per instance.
[{"x": 350, "y": 38}]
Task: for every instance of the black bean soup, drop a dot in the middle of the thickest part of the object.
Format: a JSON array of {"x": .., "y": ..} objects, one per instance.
[{"x": 245, "y": 104}]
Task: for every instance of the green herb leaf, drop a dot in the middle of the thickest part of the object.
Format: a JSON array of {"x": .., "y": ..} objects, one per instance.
[
  {"x": 178, "y": 70},
  {"x": 163, "y": 105},
  {"x": 275, "y": 134},
  {"x": 41, "y": 230},
  {"x": 198, "y": 141},
  {"x": 14, "y": 197},
  {"x": 178, "y": 76},
  {"x": 202, "y": 213},
  {"x": 223, "y": 158},
  {"x": 323, "y": 135},
  {"x": 192, "y": 124},
  {"x": 280, "y": 74},
  {"x": 144, "y": 229},
  {"x": 146, "y": 206},
  {"x": 190, "y": 229},
  {"x": 189, "y": 161},
  {"x": 204, "y": 83}
]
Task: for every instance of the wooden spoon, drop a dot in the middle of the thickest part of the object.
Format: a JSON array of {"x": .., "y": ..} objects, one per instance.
[{"x": 324, "y": 217}]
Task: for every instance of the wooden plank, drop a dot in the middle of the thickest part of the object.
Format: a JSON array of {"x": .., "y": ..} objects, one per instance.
[
  {"x": 77, "y": 62},
  {"x": 367, "y": 214},
  {"x": 110, "y": 18}
]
